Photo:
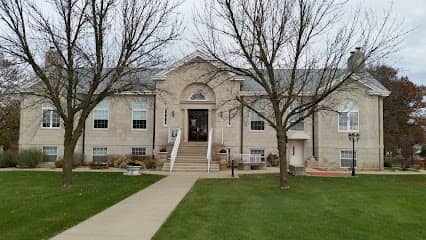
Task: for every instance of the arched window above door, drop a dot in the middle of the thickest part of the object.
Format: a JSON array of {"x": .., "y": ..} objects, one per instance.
[{"x": 198, "y": 96}]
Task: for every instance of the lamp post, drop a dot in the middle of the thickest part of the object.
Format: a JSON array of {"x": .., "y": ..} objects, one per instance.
[{"x": 354, "y": 137}]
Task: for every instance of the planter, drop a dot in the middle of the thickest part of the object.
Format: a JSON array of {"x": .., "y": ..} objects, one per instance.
[
  {"x": 133, "y": 171},
  {"x": 163, "y": 156},
  {"x": 297, "y": 170}
]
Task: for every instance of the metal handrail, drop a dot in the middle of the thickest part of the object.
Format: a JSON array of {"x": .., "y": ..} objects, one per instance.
[
  {"x": 209, "y": 149},
  {"x": 251, "y": 158},
  {"x": 175, "y": 150}
]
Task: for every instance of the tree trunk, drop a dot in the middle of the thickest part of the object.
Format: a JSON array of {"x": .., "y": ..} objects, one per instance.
[
  {"x": 69, "y": 146},
  {"x": 68, "y": 165},
  {"x": 282, "y": 150}
]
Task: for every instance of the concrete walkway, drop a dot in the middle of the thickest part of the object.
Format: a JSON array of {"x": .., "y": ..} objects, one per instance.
[{"x": 137, "y": 217}]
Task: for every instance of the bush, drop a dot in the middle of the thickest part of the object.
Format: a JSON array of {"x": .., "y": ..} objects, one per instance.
[
  {"x": 7, "y": 159},
  {"x": 150, "y": 164},
  {"x": 30, "y": 158},
  {"x": 78, "y": 160},
  {"x": 273, "y": 159},
  {"x": 122, "y": 160},
  {"x": 98, "y": 165}
]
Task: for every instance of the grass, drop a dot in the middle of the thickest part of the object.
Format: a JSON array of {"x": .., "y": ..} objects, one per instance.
[
  {"x": 364, "y": 207},
  {"x": 33, "y": 205}
]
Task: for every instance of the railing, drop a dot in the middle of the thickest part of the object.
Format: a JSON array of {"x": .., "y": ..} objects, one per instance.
[
  {"x": 209, "y": 149},
  {"x": 251, "y": 158},
  {"x": 175, "y": 149}
]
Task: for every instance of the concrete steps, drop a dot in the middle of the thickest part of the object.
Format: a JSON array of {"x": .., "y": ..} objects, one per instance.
[{"x": 192, "y": 157}]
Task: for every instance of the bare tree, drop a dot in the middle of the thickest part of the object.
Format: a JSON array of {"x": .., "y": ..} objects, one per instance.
[
  {"x": 310, "y": 39},
  {"x": 95, "y": 47}
]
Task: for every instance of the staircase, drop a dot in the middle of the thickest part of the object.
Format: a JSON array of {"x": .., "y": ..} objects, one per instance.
[{"x": 191, "y": 157}]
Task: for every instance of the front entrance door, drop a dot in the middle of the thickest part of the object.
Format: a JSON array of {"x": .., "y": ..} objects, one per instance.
[
  {"x": 295, "y": 153},
  {"x": 198, "y": 125}
]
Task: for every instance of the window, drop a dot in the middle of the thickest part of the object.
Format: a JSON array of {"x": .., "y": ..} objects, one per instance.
[
  {"x": 101, "y": 114},
  {"x": 260, "y": 152},
  {"x": 346, "y": 159},
  {"x": 51, "y": 117},
  {"x": 139, "y": 115},
  {"x": 300, "y": 126},
  {"x": 257, "y": 123},
  {"x": 348, "y": 116},
  {"x": 228, "y": 118},
  {"x": 138, "y": 153},
  {"x": 100, "y": 154},
  {"x": 165, "y": 117},
  {"x": 198, "y": 96},
  {"x": 51, "y": 152}
]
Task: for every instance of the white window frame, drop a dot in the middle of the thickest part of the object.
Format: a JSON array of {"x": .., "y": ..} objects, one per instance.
[
  {"x": 356, "y": 159},
  {"x": 50, "y": 146},
  {"x": 144, "y": 151},
  {"x": 258, "y": 106},
  {"x": 101, "y": 108},
  {"x": 143, "y": 109},
  {"x": 93, "y": 152},
  {"x": 51, "y": 109},
  {"x": 354, "y": 109},
  {"x": 262, "y": 158}
]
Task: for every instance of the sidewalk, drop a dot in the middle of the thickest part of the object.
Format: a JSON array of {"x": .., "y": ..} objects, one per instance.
[{"x": 137, "y": 217}]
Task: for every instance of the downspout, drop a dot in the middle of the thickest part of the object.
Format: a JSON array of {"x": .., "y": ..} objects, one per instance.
[
  {"x": 380, "y": 131},
  {"x": 313, "y": 136},
  {"x": 83, "y": 142},
  {"x": 154, "y": 125},
  {"x": 241, "y": 129}
]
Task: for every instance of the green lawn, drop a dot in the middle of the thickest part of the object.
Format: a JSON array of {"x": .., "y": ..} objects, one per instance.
[
  {"x": 33, "y": 205},
  {"x": 365, "y": 207}
]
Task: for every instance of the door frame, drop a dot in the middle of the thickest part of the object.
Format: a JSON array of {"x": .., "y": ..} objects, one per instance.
[{"x": 206, "y": 112}]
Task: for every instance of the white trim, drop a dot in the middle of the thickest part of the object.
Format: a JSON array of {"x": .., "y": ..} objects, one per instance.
[
  {"x": 140, "y": 110},
  {"x": 258, "y": 149},
  {"x": 163, "y": 74},
  {"x": 52, "y": 146},
  {"x": 93, "y": 149},
  {"x": 52, "y": 109},
  {"x": 340, "y": 158},
  {"x": 108, "y": 117}
]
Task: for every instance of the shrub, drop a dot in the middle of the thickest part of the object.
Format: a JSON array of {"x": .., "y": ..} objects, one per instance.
[
  {"x": 7, "y": 159},
  {"x": 98, "y": 165},
  {"x": 122, "y": 160},
  {"x": 30, "y": 158},
  {"x": 222, "y": 151},
  {"x": 163, "y": 150},
  {"x": 150, "y": 164},
  {"x": 78, "y": 160},
  {"x": 273, "y": 159}
]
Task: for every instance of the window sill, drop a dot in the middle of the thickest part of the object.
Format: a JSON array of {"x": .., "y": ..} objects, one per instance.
[
  {"x": 139, "y": 129},
  {"x": 50, "y": 128},
  {"x": 256, "y": 131}
]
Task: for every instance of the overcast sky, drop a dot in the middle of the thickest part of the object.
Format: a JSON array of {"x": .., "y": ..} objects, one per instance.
[{"x": 410, "y": 60}]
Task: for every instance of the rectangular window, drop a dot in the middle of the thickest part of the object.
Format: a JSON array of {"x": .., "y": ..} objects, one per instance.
[
  {"x": 100, "y": 154},
  {"x": 257, "y": 123},
  {"x": 348, "y": 121},
  {"x": 51, "y": 152},
  {"x": 300, "y": 126},
  {"x": 228, "y": 118},
  {"x": 346, "y": 159},
  {"x": 101, "y": 115},
  {"x": 139, "y": 115},
  {"x": 257, "y": 152},
  {"x": 50, "y": 117},
  {"x": 165, "y": 117},
  {"x": 138, "y": 153}
]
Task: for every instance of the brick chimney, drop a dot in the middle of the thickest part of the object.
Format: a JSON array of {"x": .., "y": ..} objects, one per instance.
[
  {"x": 52, "y": 58},
  {"x": 356, "y": 62}
]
